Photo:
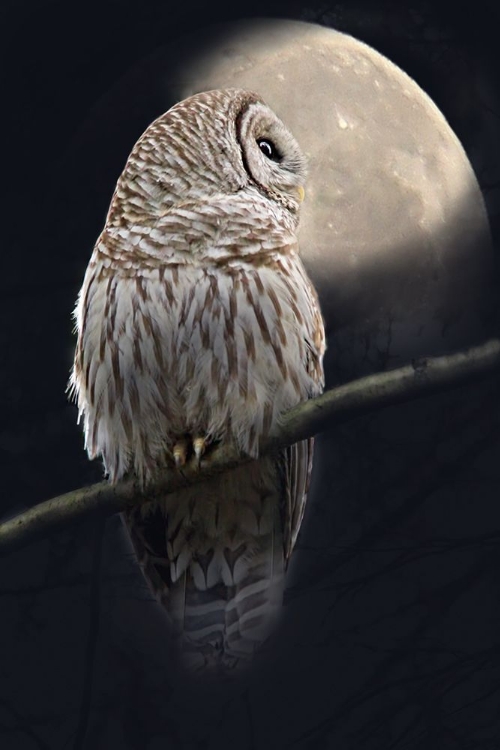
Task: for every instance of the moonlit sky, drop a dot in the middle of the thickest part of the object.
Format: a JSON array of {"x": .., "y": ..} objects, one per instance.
[{"x": 390, "y": 634}]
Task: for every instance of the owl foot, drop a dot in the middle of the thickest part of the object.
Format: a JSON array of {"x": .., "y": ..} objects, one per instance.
[
  {"x": 190, "y": 449},
  {"x": 199, "y": 447},
  {"x": 180, "y": 452}
]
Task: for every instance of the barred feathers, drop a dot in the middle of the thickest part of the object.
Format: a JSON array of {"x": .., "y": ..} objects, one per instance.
[{"x": 197, "y": 322}]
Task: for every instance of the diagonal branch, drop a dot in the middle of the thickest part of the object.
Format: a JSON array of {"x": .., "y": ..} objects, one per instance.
[{"x": 421, "y": 378}]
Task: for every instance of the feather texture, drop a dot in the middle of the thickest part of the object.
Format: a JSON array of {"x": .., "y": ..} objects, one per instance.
[{"x": 197, "y": 322}]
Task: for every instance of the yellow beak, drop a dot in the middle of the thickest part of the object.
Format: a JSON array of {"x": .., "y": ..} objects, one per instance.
[{"x": 301, "y": 193}]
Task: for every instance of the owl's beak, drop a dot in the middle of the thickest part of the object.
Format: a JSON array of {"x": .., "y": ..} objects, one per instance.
[{"x": 301, "y": 193}]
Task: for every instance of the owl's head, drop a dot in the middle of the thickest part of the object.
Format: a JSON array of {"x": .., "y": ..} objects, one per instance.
[{"x": 220, "y": 141}]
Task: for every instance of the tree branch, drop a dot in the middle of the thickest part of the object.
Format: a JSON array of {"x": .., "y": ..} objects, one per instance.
[{"x": 421, "y": 378}]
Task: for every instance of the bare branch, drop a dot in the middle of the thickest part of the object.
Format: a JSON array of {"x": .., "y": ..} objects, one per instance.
[{"x": 421, "y": 378}]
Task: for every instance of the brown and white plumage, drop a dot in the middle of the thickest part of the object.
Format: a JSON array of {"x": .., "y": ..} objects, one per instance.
[{"x": 197, "y": 324}]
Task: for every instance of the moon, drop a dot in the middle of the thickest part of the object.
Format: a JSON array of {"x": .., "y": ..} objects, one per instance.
[{"x": 394, "y": 231}]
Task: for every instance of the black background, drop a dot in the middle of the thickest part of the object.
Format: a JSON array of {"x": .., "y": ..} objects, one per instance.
[{"x": 390, "y": 636}]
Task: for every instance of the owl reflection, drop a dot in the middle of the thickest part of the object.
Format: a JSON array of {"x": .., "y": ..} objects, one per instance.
[{"x": 197, "y": 325}]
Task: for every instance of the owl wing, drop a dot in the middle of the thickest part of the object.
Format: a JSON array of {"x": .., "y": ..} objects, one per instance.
[
  {"x": 297, "y": 465},
  {"x": 298, "y": 458}
]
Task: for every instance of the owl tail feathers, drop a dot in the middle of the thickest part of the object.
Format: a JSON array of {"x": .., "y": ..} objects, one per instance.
[{"x": 221, "y": 627}]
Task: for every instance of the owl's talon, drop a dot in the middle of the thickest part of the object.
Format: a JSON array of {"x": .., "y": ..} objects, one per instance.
[
  {"x": 180, "y": 453},
  {"x": 199, "y": 447}
]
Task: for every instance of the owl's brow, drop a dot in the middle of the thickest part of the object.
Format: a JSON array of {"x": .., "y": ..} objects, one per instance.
[{"x": 250, "y": 99}]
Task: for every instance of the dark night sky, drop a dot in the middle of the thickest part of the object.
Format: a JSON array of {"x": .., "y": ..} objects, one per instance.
[{"x": 390, "y": 637}]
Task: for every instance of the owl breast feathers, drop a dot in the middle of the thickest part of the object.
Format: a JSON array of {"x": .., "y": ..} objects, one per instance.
[{"x": 197, "y": 324}]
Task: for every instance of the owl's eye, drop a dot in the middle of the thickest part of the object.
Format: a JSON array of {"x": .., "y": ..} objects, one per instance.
[{"x": 268, "y": 149}]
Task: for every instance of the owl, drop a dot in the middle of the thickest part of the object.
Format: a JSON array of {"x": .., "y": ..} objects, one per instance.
[{"x": 197, "y": 325}]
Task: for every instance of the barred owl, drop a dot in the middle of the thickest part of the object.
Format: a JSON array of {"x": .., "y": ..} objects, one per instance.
[{"x": 197, "y": 325}]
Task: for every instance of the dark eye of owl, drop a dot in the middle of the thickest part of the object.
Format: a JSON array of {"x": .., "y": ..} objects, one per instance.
[{"x": 268, "y": 149}]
